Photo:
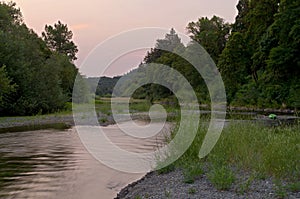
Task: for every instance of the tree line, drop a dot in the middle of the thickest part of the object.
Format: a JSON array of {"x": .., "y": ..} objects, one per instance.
[
  {"x": 36, "y": 73},
  {"x": 257, "y": 55},
  {"x": 103, "y": 86}
]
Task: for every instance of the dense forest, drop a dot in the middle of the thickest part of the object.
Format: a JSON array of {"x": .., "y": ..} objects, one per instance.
[
  {"x": 36, "y": 73},
  {"x": 257, "y": 55}
]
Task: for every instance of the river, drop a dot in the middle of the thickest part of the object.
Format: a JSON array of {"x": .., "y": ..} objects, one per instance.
[{"x": 55, "y": 164}]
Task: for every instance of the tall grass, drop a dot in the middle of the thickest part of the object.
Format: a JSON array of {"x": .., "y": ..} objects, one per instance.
[
  {"x": 259, "y": 150},
  {"x": 271, "y": 151}
]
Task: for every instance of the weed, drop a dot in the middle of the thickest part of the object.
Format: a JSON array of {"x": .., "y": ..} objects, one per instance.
[
  {"x": 294, "y": 187},
  {"x": 267, "y": 151},
  {"x": 244, "y": 186},
  {"x": 166, "y": 169},
  {"x": 221, "y": 177},
  {"x": 103, "y": 120},
  {"x": 280, "y": 190},
  {"x": 167, "y": 193},
  {"x": 192, "y": 191},
  {"x": 191, "y": 171}
]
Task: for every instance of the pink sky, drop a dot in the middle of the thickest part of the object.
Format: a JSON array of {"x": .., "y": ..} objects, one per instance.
[{"x": 93, "y": 21}]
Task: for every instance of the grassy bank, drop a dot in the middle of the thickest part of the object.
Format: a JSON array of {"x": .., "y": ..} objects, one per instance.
[{"x": 246, "y": 152}]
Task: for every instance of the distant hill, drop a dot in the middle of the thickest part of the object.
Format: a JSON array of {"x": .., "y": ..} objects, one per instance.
[{"x": 105, "y": 85}]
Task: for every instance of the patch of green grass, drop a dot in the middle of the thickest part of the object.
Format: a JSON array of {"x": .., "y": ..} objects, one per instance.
[
  {"x": 269, "y": 151},
  {"x": 191, "y": 171},
  {"x": 280, "y": 190},
  {"x": 167, "y": 169},
  {"x": 192, "y": 191},
  {"x": 221, "y": 177},
  {"x": 294, "y": 187},
  {"x": 262, "y": 151},
  {"x": 103, "y": 107},
  {"x": 244, "y": 186},
  {"x": 139, "y": 106}
]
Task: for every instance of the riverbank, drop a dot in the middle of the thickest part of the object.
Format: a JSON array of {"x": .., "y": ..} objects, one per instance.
[
  {"x": 281, "y": 111},
  {"x": 250, "y": 160},
  {"x": 25, "y": 123},
  {"x": 38, "y": 122},
  {"x": 172, "y": 185},
  {"x": 252, "y": 182}
]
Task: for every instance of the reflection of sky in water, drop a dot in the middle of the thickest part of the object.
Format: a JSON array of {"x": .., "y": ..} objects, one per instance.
[{"x": 54, "y": 164}]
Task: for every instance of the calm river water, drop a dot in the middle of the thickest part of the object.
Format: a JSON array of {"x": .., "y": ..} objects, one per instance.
[{"x": 55, "y": 164}]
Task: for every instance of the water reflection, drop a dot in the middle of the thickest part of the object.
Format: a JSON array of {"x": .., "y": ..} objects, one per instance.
[
  {"x": 30, "y": 160},
  {"x": 54, "y": 164}
]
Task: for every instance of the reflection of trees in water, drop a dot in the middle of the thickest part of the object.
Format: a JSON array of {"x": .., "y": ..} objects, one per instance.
[{"x": 31, "y": 158}]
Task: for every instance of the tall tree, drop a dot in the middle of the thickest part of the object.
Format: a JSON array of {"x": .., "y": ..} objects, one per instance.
[
  {"x": 212, "y": 34},
  {"x": 59, "y": 39},
  {"x": 233, "y": 64},
  {"x": 265, "y": 44},
  {"x": 282, "y": 49},
  {"x": 10, "y": 16},
  {"x": 283, "y": 58},
  {"x": 241, "y": 24},
  {"x": 35, "y": 79},
  {"x": 170, "y": 43},
  {"x": 260, "y": 17}
]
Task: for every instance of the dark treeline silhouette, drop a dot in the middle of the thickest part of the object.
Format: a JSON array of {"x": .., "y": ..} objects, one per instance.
[
  {"x": 257, "y": 55},
  {"x": 105, "y": 85},
  {"x": 36, "y": 75}
]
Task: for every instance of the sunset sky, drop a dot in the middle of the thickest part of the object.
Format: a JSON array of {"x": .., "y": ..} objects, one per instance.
[{"x": 93, "y": 21}]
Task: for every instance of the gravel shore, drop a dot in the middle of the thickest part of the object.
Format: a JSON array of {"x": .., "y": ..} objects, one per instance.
[{"x": 171, "y": 185}]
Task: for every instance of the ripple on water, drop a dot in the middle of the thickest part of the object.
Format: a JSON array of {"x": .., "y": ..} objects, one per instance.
[{"x": 54, "y": 164}]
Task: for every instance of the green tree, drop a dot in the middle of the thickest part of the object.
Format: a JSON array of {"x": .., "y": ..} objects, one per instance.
[
  {"x": 163, "y": 53},
  {"x": 81, "y": 90},
  {"x": 211, "y": 33},
  {"x": 283, "y": 58},
  {"x": 260, "y": 17},
  {"x": 59, "y": 39},
  {"x": 10, "y": 16},
  {"x": 36, "y": 79},
  {"x": 49, "y": 94},
  {"x": 282, "y": 45},
  {"x": 67, "y": 73},
  {"x": 170, "y": 43},
  {"x": 233, "y": 64},
  {"x": 241, "y": 24},
  {"x": 6, "y": 87}
]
